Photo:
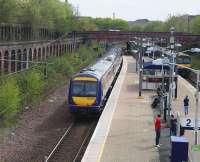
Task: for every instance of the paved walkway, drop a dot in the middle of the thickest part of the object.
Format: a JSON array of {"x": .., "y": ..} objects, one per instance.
[{"x": 131, "y": 137}]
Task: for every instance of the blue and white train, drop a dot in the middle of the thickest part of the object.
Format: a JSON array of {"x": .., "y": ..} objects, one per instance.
[{"x": 88, "y": 89}]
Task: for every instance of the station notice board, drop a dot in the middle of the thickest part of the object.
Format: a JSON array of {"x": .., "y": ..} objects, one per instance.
[{"x": 179, "y": 149}]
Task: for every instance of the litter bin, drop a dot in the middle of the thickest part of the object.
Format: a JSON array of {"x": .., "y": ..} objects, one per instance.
[{"x": 179, "y": 149}]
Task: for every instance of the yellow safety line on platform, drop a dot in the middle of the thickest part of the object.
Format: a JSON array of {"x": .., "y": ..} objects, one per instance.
[
  {"x": 104, "y": 141},
  {"x": 101, "y": 150},
  {"x": 140, "y": 97}
]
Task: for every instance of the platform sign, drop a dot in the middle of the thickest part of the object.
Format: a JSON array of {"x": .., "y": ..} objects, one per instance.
[
  {"x": 172, "y": 40},
  {"x": 189, "y": 123}
]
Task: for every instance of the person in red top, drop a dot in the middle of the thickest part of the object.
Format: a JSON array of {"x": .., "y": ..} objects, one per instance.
[{"x": 157, "y": 129}]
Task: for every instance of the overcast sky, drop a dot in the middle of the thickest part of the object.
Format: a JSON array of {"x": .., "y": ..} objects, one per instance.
[{"x": 136, "y": 9}]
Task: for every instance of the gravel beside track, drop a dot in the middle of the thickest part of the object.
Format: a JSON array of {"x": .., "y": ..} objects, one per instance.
[
  {"x": 68, "y": 150},
  {"x": 37, "y": 130}
]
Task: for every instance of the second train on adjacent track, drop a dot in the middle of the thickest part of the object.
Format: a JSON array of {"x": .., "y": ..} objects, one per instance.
[{"x": 89, "y": 88}]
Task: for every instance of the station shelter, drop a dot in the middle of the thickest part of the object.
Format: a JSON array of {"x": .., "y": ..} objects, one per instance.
[{"x": 155, "y": 74}]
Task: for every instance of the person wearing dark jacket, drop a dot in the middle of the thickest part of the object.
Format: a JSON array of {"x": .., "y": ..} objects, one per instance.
[
  {"x": 186, "y": 105},
  {"x": 173, "y": 123}
]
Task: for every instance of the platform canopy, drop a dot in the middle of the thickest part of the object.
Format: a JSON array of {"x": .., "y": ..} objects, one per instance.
[{"x": 156, "y": 65}]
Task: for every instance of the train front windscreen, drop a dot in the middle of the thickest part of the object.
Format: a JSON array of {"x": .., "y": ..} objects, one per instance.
[
  {"x": 84, "y": 93},
  {"x": 84, "y": 89},
  {"x": 184, "y": 60}
]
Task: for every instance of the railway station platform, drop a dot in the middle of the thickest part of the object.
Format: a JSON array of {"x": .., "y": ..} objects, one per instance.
[
  {"x": 185, "y": 88},
  {"x": 125, "y": 131}
]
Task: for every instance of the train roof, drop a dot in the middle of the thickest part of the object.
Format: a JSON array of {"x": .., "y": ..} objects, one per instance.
[
  {"x": 101, "y": 67},
  {"x": 182, "y": 54}
]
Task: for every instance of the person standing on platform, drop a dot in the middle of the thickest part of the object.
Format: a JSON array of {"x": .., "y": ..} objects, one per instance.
[
  {"x": 157, "y": 125},
  {"x": 186, "y": 105},
  {"x": 173, "y": 123}
]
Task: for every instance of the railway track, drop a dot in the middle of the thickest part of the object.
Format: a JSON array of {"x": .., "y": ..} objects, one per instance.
[{"x": 73, "y": 143}]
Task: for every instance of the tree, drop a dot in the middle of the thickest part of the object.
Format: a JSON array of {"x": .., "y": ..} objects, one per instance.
[
  {"x": 84, "y": 24},
  {"x": 179, "y": 22},
  {"x": 108, "y": 23},
  {"x": 195, "y": 25},
  {"x": 155, "y": 26},
  {"x": 9, "y": 11},
  {"x": 136, "y": 27}
]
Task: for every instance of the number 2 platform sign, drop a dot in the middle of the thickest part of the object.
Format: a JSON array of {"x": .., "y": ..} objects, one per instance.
[{"x": 189, "y": 123}]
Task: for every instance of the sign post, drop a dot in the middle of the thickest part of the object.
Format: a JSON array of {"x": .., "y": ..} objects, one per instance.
[
  {"x": 196, "y": 110},
  {"x": 140, "y": 70}
]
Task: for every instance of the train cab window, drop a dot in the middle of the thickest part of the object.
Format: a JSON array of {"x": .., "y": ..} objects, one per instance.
[
  {"x": 78, "y": 88},
  {"x": 183, "y": 60},
  {"x": 179, "y": 61},
  {"x": 90, "y": 88},
  {"x": 186, "y": 61},
  {"x": 81, "y": 89}
]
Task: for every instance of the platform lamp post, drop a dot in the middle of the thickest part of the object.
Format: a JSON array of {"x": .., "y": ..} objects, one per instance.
[
  {"x": 172, "y": 62},
  {"x": 196, "y": 110},
  {"x": 137, "y": 54},
  {"x": 140, "y": 69}
]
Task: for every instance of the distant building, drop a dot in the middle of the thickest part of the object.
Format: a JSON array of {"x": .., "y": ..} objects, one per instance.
[
  {"x": 139, "y": 22},
  {"x": 189, "y": 17}
]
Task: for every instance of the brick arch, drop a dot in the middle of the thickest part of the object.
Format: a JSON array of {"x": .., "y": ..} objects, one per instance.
[
  {"x": 35, "y": 54},
  {"x": 6, "y": 62},
  {"x": 39, "y": 54},
  {"x": 60, "y": 50},
  {"x": 43, "y": 53},
  {"x": 65, "y": 48},
  {"x": 51, "y": 50},
  {"x": 24, "y": 59},
  {"x": 13, "y": 62},
  {"x": 54, "y": 50},
  {"x": 1, "y": 62},
  {"x": 57, "y": 50},
  {"x": 68, "y": 48},
  {"x": 30, "y": 55},
  {"x": 71, "y": 46},
  {"x": 47, "y": 51},
  {"x": 19, "y": 57}
]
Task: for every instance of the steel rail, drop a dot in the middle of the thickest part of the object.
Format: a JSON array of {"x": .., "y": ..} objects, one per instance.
[
  {"x": 84, "y": 141},
  {"x": 60, "y": 141}
]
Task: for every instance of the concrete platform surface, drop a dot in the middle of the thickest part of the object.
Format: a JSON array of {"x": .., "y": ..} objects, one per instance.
[
  {"x": 185, "y": 88},
  {"x": 125, "y": 132}
]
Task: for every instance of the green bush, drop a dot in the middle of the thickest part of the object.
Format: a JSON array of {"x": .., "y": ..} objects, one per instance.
[
  {"x": 63, "y": 66},
  {"x": 34, "y": 84},
  {"x": 31, "y": 85},
  {"x": 9, "y": 99}
]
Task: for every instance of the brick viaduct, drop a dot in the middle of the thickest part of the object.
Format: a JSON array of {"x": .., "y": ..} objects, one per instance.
[
  {"x": 15, "y": 57},
  {"x": 20, "y": 45}
]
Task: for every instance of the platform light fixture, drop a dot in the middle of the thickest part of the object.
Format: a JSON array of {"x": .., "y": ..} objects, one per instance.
[{"x": 172, "y": 67}]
